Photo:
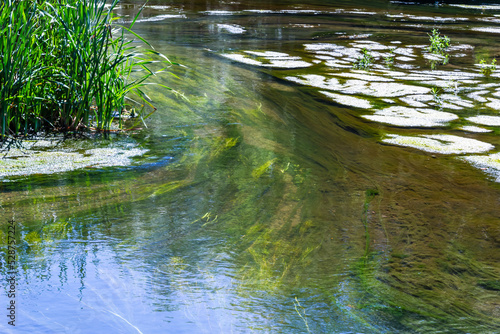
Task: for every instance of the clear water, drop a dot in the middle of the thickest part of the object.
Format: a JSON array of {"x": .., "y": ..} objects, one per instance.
[{"x": 270, "y": 200}]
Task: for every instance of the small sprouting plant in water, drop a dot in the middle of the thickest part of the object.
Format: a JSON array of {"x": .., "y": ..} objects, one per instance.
[
  {"x": 436, "y": 95},
  {"x": 439, "y": 43},
  {"x": 487, "y": 69},
  {"x": 433, "y": 64},
  {"x": 446, "y": 59},
  {"x": 364, "y": 61},
  {"x": 389, "y": 60}
]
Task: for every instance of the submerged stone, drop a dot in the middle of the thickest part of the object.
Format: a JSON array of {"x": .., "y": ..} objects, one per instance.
[
  {"x": 219, "y": 12},
  {"x": 394, "y": 89},
  {"x": 460, "y": 47},
  {"x": 433, "y": 56},
  {"x": 363, "y": 75},
  {"x": 477, "y": 96},
  {"x": 446, "y": 105},
  {"x": 286, "y": 11},
  {"x": 159, "y": 7},
  {"x": 267, "y": 53},
  {"x": 411, "y": 117},
  {"x": 333, "y": 50},
  {"x": 355, "y": 36},
  {"x": 241, "y": 58},
  {"x": 361, "y": 87},
  {"x": 416, "y": 100},
  {"x": 490, "y": 30},
  {"x": 404, "y": 51},
  {"x": 457, "y": 100},
  {"x": 260, "y": 11},
  {"x": 489, "y": 163},
  {"x": 369, "y": 45},
  {"x": 338, "y": 64},
  {"x": 405, "y": 58},
  {"x": 406, "y": 66},
  {"x": 444, "y": 144},
  {"x": 480, "y": 7},
  {"x": 393, "y": 74},
  {"x": 449, "y": 75},
  {"x": 485, "y": 120},
  {"x": 472, "y": 128},
  {"x": 349, "y": 100},
  {"x": 436, "y": 18},
  {"x": 159, "y": 18},
  {"x": 494, "y": 104},
  {"x": 318, "y": 81},
  {"x": 268, "y": 59},
  {"x": 358, "y": 12},
  {"x": 287, "y": 64},
  {"x": 231, "y": 28}
]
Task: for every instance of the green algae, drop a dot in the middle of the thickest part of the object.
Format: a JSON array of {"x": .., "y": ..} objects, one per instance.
[
  {"x": 168, "y": 187},
  {"x": 33, "y": 238},
  {"x": 257, "y": 172},
  {"x": 493, "y": 285},
  {"x": 49, "y": 157}
]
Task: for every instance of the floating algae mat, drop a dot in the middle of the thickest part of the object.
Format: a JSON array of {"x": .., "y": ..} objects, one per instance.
[
  {"x": 50, "y": 156},
  {"x": 284, "y": 191}
]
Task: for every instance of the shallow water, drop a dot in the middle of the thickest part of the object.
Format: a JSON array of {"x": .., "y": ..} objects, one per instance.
[{"x": 285, "y": 192}]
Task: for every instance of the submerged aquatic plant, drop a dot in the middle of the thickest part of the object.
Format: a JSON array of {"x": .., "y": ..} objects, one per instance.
[
  {"x": 439, "y": 43},
  {"x": 364, "y": 61},
  {"x": 438, "y": 46},
  {"x": 301, "y": 313},
  {"x": 487, "y": 69},
  {"x": 389, "y": 60},
  {"x": 436, "y": 95},
  {"x": 64, "y": 67}
]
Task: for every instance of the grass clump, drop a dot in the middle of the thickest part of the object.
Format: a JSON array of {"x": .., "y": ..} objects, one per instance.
[
  {"x": 64, "y": 66},
  {"x": 439, "y": 43},
  {"x": 487, "y": 69},
  {"x": 364, "y": 61}
]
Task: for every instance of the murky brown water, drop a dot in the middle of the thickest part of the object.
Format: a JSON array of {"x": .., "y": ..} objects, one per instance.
[{"x": 271, "y": 200}]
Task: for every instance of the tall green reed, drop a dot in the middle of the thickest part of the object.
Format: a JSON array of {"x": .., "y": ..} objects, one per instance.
[
  {"x": 65, "y": 66},
  {"x": 17, "y": 68}
]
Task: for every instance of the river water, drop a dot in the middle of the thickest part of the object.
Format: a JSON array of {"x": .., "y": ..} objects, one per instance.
[{"x": 280, "y": 190}]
